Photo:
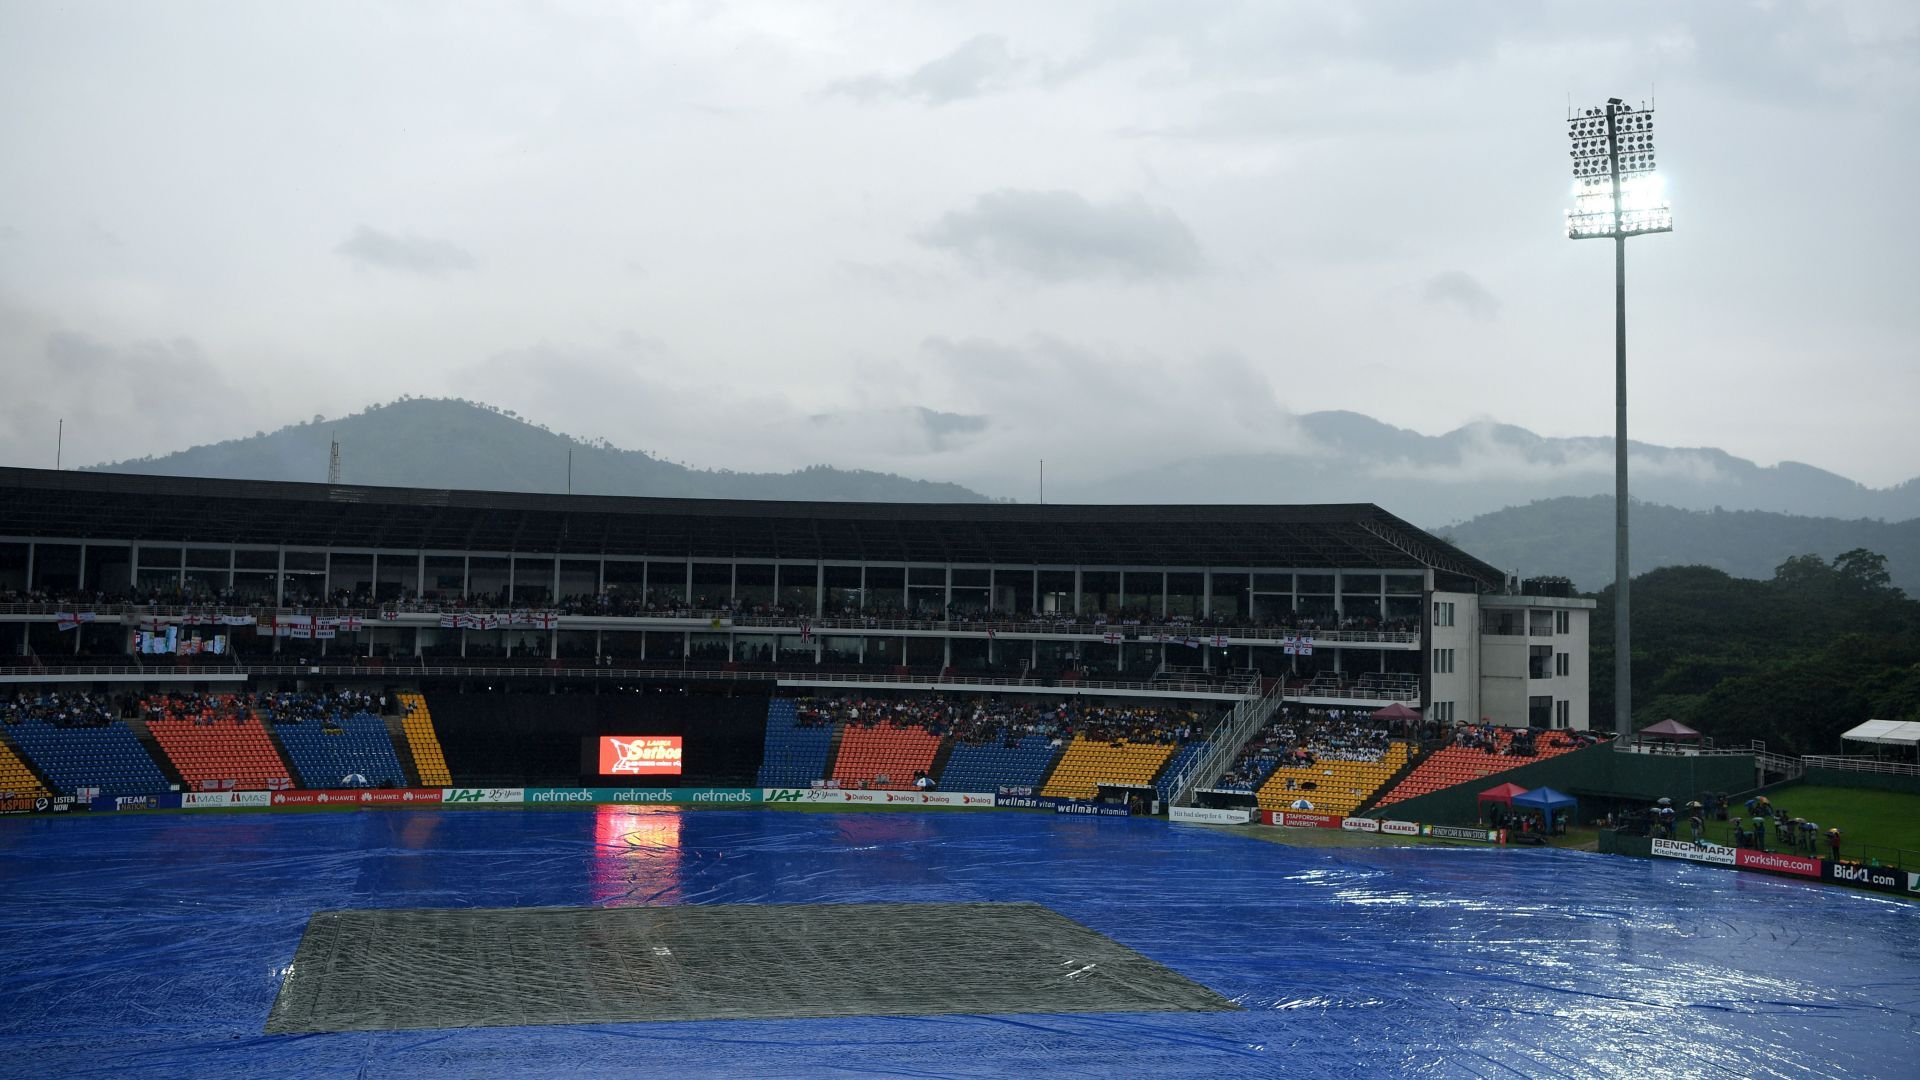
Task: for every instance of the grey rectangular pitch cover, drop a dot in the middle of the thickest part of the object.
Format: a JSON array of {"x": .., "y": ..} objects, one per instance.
[{"x": 385, "y": 970}]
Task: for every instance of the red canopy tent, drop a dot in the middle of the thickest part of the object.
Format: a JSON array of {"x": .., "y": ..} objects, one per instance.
[
  {"x": 1670, "y": 729},
  {"x": 1503, "y": 794},
  {"x": 1396, "y": 711}
]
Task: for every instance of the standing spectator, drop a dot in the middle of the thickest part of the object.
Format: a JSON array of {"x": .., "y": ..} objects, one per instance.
[
  {"x": 1760, "y": 831},
  {"x": 1833, "y": 843},
  {"x": 1693, "y": 823}
]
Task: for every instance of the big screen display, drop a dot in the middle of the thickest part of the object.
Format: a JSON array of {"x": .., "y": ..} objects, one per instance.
[{"x": 640, "y": 755}]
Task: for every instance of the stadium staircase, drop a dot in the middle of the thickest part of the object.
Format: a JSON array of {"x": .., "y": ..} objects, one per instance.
[
  {"x": 155, "y": 751},
  {"x": 1087, "y": 764},
  {"x": 18, "y": 778},
  {"x": 1339, "y": 787},
  {"x": 1452, "y": 765},
  {"x": 422, "y": 744},
  {"x": 403, "y": 751}
]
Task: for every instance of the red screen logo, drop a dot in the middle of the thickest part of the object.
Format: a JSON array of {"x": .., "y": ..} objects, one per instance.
[{"x": 640, "y": 755}]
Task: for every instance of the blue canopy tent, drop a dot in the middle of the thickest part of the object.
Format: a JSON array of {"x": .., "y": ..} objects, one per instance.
[{"x": 1546, "y": 800}]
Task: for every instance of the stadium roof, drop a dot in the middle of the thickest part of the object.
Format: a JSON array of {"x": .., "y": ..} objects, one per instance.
[{"x": 187, "y": 510}]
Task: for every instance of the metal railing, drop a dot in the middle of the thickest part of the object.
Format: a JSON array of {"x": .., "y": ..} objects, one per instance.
[
  {"x": 1247, "y": 718},
  {"x": 1170, "y": 632},
  {"x": 1856, "y": 763}
]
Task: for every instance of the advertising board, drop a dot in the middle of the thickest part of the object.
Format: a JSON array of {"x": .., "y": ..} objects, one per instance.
[
  {"x": 1861, "y": 876},
  {"x": 1087, "y": 808},
  {"x": 1450, "y": 832},
  {"x": 1026, "y": 802},
  {"x": 202, "y": 800},
  {"x": 483, "y": 795},
  {"x": 1778, "y": 862},
  {"x": 355, "y": 797},
  {"x": 1208, "y": 816},
  {"x": 1400, "y": 828},
  {"x": 1702, "y": 853},
  {"x": 1359, "y": 824},
  {"x": 640, "y": 755}
]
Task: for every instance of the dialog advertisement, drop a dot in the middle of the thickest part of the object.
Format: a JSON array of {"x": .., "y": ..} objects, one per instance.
[{"x": 640, "y": 755}]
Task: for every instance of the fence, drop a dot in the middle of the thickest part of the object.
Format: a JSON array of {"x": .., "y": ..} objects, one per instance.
[{"x": 1247, "y": 717}]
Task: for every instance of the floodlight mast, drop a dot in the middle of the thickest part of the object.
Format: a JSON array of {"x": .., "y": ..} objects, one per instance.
[{"x": 1619, "y": 219}]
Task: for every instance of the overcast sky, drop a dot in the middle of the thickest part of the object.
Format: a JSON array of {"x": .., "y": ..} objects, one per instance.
[{"x": 1118, "y": 232}]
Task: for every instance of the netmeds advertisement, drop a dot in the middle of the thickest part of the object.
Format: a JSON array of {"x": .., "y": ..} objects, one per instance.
[{"x": 641, "y": 796}]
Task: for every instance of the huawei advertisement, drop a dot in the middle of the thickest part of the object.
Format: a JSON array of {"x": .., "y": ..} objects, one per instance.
[{"x": 640, "y": 755}]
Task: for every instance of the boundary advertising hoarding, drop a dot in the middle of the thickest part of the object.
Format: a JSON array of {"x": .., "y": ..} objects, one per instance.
[
  {"x": 1704, "y": 853},
  {"x": 483, "y": 795},
  {"x": 357, "y": 797},
  {"x": 1359, "y": 824},
  {"x": 1300, "y": 819},
  {"x": 1861, "y": 876},
  {"x": 974, "y": 799},
  {"x": 1207, "y": 816},
  {"x": 1778, "y": 862},
  {"x": 204, "y": 800},
  {"x": 1450, "y": 832}
]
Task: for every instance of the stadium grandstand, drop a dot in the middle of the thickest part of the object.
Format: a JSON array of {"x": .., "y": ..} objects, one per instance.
[{"x": 214, "y": 635}]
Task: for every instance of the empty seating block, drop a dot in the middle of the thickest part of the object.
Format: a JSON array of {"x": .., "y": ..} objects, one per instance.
[
  {"x": 795, "y": 756},
  {"x": 992, "y": 766},
  {"x": 225, "y": 748},
  {"x": 357, "y": 745},
  {"x": 1452, "y": 765},
  {"x": 109, "y": 758},
  {"x": 1086, "y": 765},
  {"x": 1339, "y": 787},
  {"x": 883, "y": 755},
  {"x": 423, "y": 742},
  {"x": 16, "y": 779}
]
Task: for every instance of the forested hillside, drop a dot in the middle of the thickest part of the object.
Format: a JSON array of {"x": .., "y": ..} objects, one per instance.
[{"x": 1794, "y": 660}]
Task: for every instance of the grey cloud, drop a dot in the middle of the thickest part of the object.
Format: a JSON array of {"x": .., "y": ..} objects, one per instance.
[
  {"x": 1461, "y": 290},
  {"x": 1060, "y": 235},
  {"x": 979, "y": 66},
  {"x": 409, "y": 252}
]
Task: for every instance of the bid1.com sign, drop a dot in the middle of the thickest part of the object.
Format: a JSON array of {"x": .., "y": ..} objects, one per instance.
[{"x": 640, "y": 755}]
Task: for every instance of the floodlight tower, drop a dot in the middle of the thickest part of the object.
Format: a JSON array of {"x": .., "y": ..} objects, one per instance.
[{"x": 1617, "y": 194}]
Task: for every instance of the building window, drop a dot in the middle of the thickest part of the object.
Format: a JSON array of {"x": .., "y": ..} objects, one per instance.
[
  {"x": 1563, "y": 622},
  {"x": 1540, "y": 662},
  {"x": 1539, "y": 712},
  {"x": 1443, "y": 661},
  {"x": 1563, "y": 714},
  {"x": 1562, "y": 664},
  {"x": 1443, "y": 613},
  {"x": 1442, "y": 712}
]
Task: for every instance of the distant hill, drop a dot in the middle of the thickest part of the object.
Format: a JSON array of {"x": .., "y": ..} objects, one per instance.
[
  {"x": 1347, "y": 457},
  {"x": 1574, "y": 538},
  {"x": 439, "y": 443}
]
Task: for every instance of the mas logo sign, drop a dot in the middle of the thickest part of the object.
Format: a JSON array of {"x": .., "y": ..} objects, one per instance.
[{"x": 640, "y": 755}]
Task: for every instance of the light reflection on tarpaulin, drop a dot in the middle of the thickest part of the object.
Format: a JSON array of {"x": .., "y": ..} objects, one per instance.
[{"x": 636, "y": 856}]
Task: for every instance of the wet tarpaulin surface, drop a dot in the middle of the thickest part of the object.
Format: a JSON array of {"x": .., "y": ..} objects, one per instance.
[
  {"x": 389, "y": 969},
  {"x": 157, "y": 944}
]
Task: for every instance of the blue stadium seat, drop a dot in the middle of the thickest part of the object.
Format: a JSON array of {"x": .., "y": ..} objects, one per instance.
[
  {"x": 990, "y": 766},
  {"x": 109, "y": 758}
]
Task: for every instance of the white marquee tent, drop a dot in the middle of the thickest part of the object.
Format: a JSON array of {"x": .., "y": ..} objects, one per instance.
[{"x": 1887, "y": 732}]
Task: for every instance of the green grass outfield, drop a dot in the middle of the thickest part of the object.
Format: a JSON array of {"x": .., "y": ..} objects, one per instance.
[{"x": 1865, "y": 817}]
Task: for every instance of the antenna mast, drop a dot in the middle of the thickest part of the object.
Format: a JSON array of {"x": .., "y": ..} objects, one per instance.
[{"x": 333, "y": 463}]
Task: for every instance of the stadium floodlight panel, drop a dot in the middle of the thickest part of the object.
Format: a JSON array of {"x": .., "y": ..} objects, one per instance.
[{"x": 1615, "y": 147}]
